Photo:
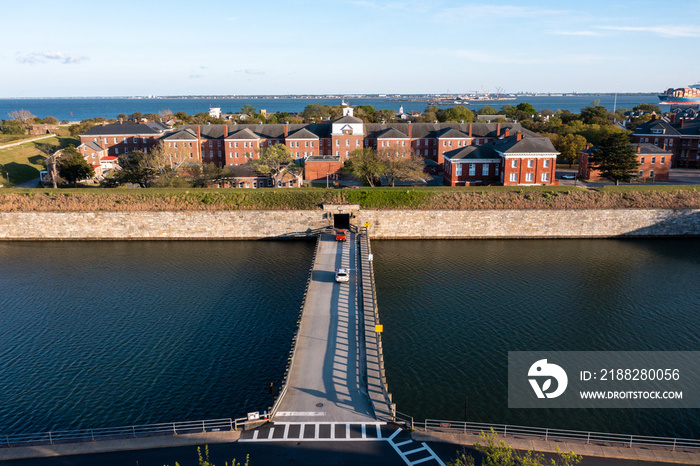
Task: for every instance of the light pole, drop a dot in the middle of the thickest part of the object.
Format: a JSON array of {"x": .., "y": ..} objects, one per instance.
[{"x": 327, "y": 174}]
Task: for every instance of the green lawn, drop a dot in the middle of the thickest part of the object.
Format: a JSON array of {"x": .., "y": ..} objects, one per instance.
[{"x": 23, "y": 163}]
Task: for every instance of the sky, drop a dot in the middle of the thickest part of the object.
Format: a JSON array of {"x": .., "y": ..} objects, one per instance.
[{"x": 125, "y": 48}]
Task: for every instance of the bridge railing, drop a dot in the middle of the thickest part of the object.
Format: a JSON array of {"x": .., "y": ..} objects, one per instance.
[
  {"x": 122, "y": 432},
  {"x": 546, "y": 434}
]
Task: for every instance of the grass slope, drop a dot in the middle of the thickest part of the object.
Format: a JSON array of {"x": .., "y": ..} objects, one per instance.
[{"x": 472, "y": 198}]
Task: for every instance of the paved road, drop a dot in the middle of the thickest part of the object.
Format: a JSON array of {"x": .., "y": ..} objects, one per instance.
[
  {"x": 326, "y": 380},
  {"x": 24, "y": 141}
]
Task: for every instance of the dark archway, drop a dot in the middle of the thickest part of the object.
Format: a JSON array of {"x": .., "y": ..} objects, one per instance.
[{"x": 341, "y": 221}]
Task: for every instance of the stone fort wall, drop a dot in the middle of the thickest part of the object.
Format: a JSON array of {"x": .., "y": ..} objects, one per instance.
[{"x": 384, "y": 224}]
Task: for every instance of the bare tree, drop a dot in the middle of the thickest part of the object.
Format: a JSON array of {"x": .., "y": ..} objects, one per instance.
[
  {"x": 402, "y": 164},
  {"x": 20, "y": 115}
]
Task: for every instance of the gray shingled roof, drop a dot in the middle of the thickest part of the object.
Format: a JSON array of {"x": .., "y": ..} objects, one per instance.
[
  {"x": 451, "y": 133},
  {"x": 485, "y": 151},
  {"x": 392, "y": 133},
  {"x": 186, "y": 134},
  {"x": 537, "y": 145},
  {"x": 646, "y": 148},
  {"x": 93, "y": 145},
  {"x": 126, "y": 128},
  {"x": 302, "y": 133},
  {"x": 646, "y": 128},
  {"x": 348, "y": 119},
  {"x": 244, "y": 133}
]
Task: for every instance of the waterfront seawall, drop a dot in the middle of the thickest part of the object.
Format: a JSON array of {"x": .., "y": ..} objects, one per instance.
[{"x": 384, "y": 224}]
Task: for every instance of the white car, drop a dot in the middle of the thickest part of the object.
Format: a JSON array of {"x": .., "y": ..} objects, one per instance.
[
  {"x": 341, "y": 276},
  {"x": 568, "y": 176}
]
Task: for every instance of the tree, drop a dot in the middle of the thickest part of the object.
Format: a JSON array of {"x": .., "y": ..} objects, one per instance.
[
  {"x": 401, "y": 164},
  {"x": 248, "y": 109},
  {"x": 487, "y": 110},
  {"x": 271, "y": 160},
  {"x": 569, "y": 146},
  {"x": 616, "y": 158},
  {"x": 365, "y": 164},
  {"x": 458, "y": 113},
  {"x": 73, "y": 167},
  {"x": 136, "y": 116},
  {"x": 122, "y": 116},
  {"x": 496, "y": 452},
  {"x": 20, "y": 115},
  {"x": 315, "y": 112},
  {"x": 647, "y": 108},
  {"x": 595, "y": 115},
  {"x": 527, "y": 108},
  {"x": 142, "y": 168}
]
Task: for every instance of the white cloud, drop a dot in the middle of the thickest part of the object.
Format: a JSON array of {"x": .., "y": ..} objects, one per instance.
[
  {"x": 663, "y": 31},
  {"x": 34, "y": 58},
  {"x": 249, "y": 71},
  {"x": 475, "y": 11}
]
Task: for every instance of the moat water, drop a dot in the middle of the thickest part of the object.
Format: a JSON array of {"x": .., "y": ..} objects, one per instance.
[{"x": 97, "y": 334}]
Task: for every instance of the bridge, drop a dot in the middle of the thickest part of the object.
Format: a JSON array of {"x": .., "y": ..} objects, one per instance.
[{"x": 336, "y": 372}]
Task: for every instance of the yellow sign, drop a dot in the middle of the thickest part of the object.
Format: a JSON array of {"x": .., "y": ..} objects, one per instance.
[
  {"x": 379, "y": 328},
  {"x": 366, "y": 224}
]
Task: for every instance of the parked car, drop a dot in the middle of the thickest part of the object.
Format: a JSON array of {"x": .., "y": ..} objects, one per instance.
[
  {"x": 341, "y": 235},
  {"x": 341, "y": 276},
  {"x": 568, "y": 176}
]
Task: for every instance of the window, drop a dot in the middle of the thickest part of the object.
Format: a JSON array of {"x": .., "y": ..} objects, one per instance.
[
  {"x": 124, "y": 140},
  {"x": 357, "y": 143},
  {"x": 115, "y": 140},
  {"x": 235, "y": 144},
  {"x": 175, "y": 144},
  {"x": 545, "y": 176},
  {"x": 663, "y": 160},
  {"x": 641, "y": 173},
  {"x": 458, "y": 169},
  {"x": 530, "y": 163},
  {"x": 656, "y": 141},
  {"x": 495, "y": 170},
  {"x": 670, "y": 142},
  {"x": 449, "y": 143},
  {"x": 337, "y": 143},
  {"x": 513, "y": 177},
  {"x": 485, "y": 169},
  {"x": 347, "y": 142},
  {"x": 116, "y": 150},
  {"x": 230, "y": 145},
  {"x": 403, "y": 143},
  {"x": 444, "y": 143},
  {"x": 545, "y": 163},
  {"x": 641, "y": 160},
  {"x": 528, "y": 177},
  {"x": 144, "y": 140},
  {"x": 653, "y": 160},
  {"x": 651, "y": 174},
  {"x": 472, "y": 169},
  {"x": 514, "y": 164},
  {"x": 134, "y": 139}
]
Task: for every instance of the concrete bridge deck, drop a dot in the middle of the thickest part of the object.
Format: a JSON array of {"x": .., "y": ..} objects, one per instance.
[{"x": 327, "y": 381}]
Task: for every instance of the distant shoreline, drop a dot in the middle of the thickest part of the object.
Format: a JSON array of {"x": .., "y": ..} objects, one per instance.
[{"x": 327, "y": 96}]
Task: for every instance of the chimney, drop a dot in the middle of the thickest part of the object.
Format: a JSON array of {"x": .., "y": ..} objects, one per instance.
[
  {"x": 498, "y": 130},
  {"x": 672, "y": 118},
  {"x": 639, "y": 148},
  {"x": 286, "y": 129},
  {"x": 506, "y": 132},
  {"x": 104, "y": 123},
  {"x": 518, "y": 136},
  {"x": 682, "y": 123},
  {"x": 225, "y": 131},
  {"x": 653, "y": 116},
  {"x": 121, "y": 120},
  {"x": 409, "y": 130},
  {"x": 470, "y": 130}
]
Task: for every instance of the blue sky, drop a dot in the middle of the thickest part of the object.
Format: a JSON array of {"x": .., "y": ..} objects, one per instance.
[{"x": 82, "y": 48}]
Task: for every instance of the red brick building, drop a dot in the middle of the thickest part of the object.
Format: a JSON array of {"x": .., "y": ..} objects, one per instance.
[
  {"x": 125, "y": 136},
  {"x": 509, "y": 161},
  {"x": 654, "y": 163},
  {"x": 678, "y": 134},
  {"x": 324, "y": 147}
]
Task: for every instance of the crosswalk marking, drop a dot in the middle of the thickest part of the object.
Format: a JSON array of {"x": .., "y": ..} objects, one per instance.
[{"x": 343, "y": 432}]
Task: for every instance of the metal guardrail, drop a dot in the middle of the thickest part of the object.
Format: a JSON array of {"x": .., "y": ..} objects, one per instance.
[
  {"x": 546, "y": 434},
  {"x": 122, "y": 432}
]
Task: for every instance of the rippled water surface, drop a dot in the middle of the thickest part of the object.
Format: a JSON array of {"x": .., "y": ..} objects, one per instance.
[
  {"x": 453, "y": 309},
  {"x": 113, "y": 333},
  {"x": 99, "y": 334}
]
